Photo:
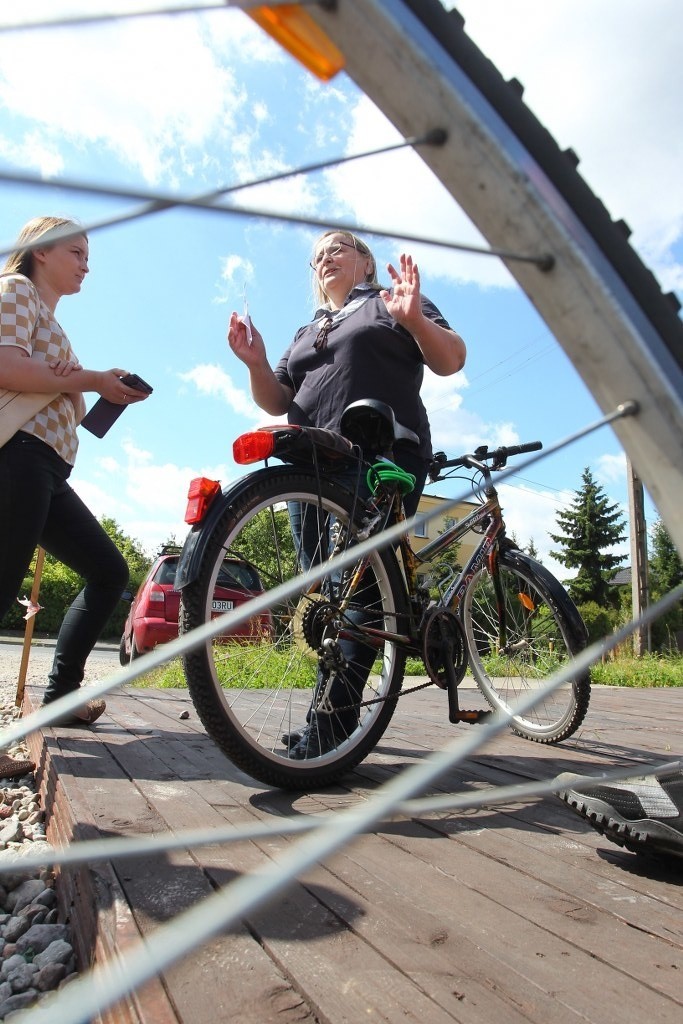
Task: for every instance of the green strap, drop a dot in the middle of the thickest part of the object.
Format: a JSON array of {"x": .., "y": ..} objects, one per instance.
[{"x": 390, "y": 473}]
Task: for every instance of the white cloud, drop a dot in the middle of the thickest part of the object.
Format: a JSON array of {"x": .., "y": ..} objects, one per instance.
[
  {"x": 33, "y": 151},
  {"x": 455, "y": 429},
  {"x": 611, "y": 468},
  {"x": 211, "y": 379},
  {"x": 152, "y": 91},
  {"x": 236, "y": 272},
  {"x": 374, "y": 192},
  {"x": 149, "y": 502},
  {"x": 531, "y": 515}
]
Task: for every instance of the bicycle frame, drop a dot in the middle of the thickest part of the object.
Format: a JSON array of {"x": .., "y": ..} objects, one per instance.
[
  {"x": 490, "y": 510},
  {"x": 484, "y": 553}
]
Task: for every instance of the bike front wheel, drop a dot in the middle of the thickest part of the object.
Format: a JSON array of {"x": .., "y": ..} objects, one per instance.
[
  {"x": 517, "y": 637},
  {"x": 254, "y": 688}
]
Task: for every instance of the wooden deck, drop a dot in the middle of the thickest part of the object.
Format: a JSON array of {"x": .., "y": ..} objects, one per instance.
[{"x": 502, "y": 915}]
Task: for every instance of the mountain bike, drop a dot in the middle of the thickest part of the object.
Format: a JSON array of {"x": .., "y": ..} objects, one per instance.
[{"x": 339, "y": 648}]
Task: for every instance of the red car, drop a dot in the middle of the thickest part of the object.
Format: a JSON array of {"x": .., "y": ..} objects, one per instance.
[{"x": 153, "y": 615}]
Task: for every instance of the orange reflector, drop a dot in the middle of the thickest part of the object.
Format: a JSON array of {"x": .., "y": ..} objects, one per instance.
[
  {"x": 253, "y": 447},
  {"x": 527, "y": 602},
  {"x": 201, "y": 493},
  {"x": 295, "y": 30}
]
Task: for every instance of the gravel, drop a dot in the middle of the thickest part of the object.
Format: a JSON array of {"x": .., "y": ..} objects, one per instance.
[{"x": 36, "y": 952}]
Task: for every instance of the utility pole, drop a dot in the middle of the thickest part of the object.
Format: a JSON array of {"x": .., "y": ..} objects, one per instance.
[{"x": 638, "y": 537}]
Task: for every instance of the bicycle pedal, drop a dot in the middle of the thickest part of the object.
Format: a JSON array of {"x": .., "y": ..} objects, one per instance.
[{"x": 471, "y": 717}]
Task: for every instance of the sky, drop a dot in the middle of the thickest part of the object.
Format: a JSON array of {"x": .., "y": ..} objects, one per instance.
[{"x": 189, "y": 103}]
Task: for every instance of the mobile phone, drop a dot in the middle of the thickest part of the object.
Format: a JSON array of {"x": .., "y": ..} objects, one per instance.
[
  {"x": 131, "y": 380},
  {"x": 105, "y": 413}
]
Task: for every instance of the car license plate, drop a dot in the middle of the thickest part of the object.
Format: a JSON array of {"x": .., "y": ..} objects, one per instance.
[{"x": 221, "y": 606}]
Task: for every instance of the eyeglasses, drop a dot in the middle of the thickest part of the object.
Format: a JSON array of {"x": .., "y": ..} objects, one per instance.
[{"x": 333, "y": 249}]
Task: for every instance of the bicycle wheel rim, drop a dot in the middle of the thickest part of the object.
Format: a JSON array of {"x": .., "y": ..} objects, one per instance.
[
  {"x": 254, "y": 689},
  {"x": 540, "y": 640}
]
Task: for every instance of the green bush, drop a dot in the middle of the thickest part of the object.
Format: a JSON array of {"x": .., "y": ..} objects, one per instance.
[
  {"x": 599, "y": 621},
  {"x": 59, "y": 586}
]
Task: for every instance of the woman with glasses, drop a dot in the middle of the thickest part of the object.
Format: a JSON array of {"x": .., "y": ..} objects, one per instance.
[{"x": 364, "y": 341}]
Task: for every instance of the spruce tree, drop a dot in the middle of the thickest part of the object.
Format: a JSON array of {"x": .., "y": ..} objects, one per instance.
[
  {"x": 590, "y": 527},
  {"x": 666, "y": 572},
  {"x": 666, "y": 568}
]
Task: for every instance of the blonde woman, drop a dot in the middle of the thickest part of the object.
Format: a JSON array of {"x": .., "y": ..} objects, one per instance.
[
  {"x": 364, "y": 341},
  {"x": 37, "y": 504}
]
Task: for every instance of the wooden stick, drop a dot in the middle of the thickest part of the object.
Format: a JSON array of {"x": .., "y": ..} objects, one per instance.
[{"x": 28, "y": 632}]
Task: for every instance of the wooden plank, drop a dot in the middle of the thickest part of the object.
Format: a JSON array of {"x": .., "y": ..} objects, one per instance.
[
  {"x": 548, "y": 945},
  {"x": 512, "y": 913},
  {"x": 229, "y": 978},
  {"x": 90, "y": 895}
]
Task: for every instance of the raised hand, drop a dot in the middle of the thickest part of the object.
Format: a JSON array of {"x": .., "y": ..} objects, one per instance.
[{"x": 403, "y": 301}]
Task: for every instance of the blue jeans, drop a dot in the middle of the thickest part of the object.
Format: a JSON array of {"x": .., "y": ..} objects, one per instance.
[
  {"x": 38, "y": 507},
  {"x": 344, "y": 688}
]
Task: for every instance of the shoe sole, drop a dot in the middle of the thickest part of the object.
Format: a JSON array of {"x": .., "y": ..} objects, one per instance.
[{"x": 644, "y": 836}]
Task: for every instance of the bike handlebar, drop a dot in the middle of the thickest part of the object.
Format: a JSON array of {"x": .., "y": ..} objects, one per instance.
[
  {"x": 515, "y": 449},
  {"x": 498, "y": 458}
]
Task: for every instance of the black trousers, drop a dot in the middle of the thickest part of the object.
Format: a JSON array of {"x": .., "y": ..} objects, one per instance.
[{"x": 38, "y": 507}]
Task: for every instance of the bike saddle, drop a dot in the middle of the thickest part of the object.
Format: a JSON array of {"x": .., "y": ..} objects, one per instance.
[{"x": 372, "y": 425}]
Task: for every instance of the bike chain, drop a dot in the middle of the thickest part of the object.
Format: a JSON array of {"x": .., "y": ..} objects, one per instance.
[{"x": 381, "y": 700}]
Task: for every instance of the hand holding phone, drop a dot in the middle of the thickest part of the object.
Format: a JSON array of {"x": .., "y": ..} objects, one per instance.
[
  {"x": 104, "y": 413},
  {"x": 131, "y": 380}
]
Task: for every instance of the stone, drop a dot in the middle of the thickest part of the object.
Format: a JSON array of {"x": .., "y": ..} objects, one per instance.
[
  {"x": 18, "y": 1001},
  {"x": 39, "y": 937},
  {"x": 48, "y": 898},
  {"x": 58, "y": 952},
  {"x": 9, "y": 965},
  {"x": 24, "y": 894},
  {"x": 15, "y": 928},
  {"x": 48, "y": 977},
  {"x": 11, "y": 832},
  {"x": 21, "y": 978}
]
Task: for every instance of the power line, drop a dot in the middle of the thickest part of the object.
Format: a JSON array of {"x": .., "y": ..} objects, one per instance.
[{"x": 69, "y": 21}]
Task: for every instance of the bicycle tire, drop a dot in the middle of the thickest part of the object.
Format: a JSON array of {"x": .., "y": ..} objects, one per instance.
[
  {"x": 544, "y": 630},
  {"x": 252, "y": 690}
]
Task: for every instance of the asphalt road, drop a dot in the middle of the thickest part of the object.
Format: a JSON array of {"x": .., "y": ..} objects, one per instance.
[{"x": 103, "y": 660}]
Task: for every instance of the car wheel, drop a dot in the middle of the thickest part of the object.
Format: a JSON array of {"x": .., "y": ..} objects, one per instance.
[{"x": 124, "y": 657}]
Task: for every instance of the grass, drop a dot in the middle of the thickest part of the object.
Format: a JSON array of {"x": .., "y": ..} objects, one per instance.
[{"x": 652, "y": 670}]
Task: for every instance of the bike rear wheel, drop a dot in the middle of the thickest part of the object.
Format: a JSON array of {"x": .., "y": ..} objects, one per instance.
[
  {"x": 543, "y": 631},
  {"x": 255, "y": 687}
]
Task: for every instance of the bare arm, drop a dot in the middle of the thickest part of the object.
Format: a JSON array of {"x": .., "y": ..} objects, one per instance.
[
  {"x": 443, "y": 350},
  {"x": 18, "y": 372},
  {"x": 266, "y": 390}
]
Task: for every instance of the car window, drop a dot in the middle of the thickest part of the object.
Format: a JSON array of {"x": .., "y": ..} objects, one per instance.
[
  {"x": 166, "y": 572},
  {"x": 239, "y": 574}
]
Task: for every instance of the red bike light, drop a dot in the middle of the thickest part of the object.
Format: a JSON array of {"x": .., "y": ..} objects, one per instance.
[
  {"x": 253, "y": 447},
  {"x": 201, "y": 493}
]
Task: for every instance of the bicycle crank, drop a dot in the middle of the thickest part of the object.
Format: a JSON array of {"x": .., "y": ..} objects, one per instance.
[{"x": 444, "y": 652}]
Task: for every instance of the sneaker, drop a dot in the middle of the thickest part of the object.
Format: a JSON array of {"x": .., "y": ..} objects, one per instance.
[
  {"x": 86, "y": 714},
  {"x": 13, "y": 768},
  {"x": 643, "y": 813},
  {"x": 290, "y": 739},
  {"x": 315, "y": 740}
]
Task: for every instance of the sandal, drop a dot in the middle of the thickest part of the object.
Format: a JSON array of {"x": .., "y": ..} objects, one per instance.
[
  {"x": 11, "y": 768},
  {"x": 85, "y": 715}
]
